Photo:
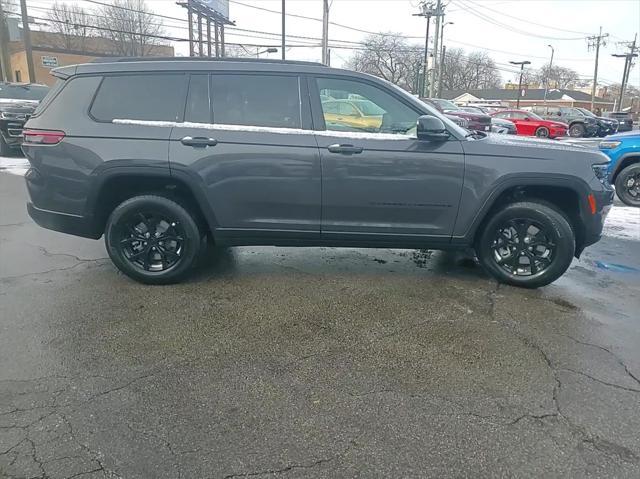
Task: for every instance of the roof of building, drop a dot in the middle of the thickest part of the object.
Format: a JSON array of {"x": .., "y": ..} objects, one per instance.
[{"x": 530, "y": 94}]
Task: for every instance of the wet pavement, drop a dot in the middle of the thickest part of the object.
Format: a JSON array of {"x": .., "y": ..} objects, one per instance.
[{"x": 313, "y": 362}]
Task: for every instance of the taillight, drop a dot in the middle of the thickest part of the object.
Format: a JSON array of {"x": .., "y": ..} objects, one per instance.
[{"x": 42, "y": 137}]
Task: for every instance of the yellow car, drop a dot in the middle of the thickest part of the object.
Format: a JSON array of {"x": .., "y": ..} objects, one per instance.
[{"x": 360, "y": 114}]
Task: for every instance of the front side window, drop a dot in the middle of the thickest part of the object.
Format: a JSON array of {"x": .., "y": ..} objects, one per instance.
[
  {"x": 256, "y": 100},
  {"x": 364, "y": 107},
  {"x": 155, "y": 97}
]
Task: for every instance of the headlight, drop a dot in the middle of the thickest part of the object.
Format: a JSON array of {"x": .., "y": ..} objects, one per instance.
[
  {"x": 609, "y": 145},
  {"x": 600, "y": 170}
]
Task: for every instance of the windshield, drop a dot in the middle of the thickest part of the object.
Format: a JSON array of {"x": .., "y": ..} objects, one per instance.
[
  {"x": 23, "y": 92},
  {"x": 368, "y": 107},
  {"x": 531, "y": 114},
  {"x": 586, "y": 112}
]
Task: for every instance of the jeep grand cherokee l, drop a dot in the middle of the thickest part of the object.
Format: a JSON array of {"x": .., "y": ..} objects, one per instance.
[{"x": 158, "y": 154}]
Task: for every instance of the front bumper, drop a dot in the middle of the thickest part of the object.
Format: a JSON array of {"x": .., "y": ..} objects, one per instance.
[
  {"x": 557, "y": 132},
  {"x": 594, "y": 223}
]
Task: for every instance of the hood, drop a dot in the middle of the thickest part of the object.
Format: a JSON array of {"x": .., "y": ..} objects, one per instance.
[
  {"x": 624, "y": 135},
  {"x": 18, "y": 106},
  {"x": 467, "y": 115},
  {"x": 607, "y": 120}
]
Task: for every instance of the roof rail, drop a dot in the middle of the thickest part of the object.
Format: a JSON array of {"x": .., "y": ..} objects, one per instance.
[{"x": 204, "y": 59}]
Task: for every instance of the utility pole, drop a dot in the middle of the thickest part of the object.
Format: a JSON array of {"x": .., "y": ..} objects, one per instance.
[
  {"x": 442, "y": 50},
  {"x": 628, "y": 65},
  {"x": 190, "y": 19},
  {"x": 26, "y": 38},
  {"x": 522, "y": 64},
  {"x": 5, "y": 66},
  {"x": 325, "y": 32},
  {"x": 283, "y": 28},
  {"x": 594, "y": 42},
  {"x": 427, "y": 12},
  {"x": 439, "y": 14},
  {"x": 546, "y": 80}
]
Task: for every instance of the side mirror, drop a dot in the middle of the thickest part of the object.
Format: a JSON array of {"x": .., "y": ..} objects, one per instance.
[{"x": 431, "y": 128}]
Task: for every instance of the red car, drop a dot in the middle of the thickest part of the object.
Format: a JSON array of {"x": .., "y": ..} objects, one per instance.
[{"x": 528, "y": 123}]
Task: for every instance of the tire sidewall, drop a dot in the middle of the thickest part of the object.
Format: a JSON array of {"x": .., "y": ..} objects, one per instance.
[
  {"x": 553, "y": 221},
  {"x": 621, "y": 189},
  {"x": 192, "y": 243},
  {"x": 542, "y": 128},
  {"x": 579, "y": 128}
]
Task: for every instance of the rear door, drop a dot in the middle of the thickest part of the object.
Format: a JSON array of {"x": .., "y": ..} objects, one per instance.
[
  {"x": 379, "y": 182},
  {"x": 246, "y": 139}
]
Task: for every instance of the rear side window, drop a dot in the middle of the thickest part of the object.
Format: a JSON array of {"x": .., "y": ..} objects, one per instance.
[
  {"x": 256, "y": 100},
  {"x": 158, "y": 97},
  {"x": 50, "y": 96}
]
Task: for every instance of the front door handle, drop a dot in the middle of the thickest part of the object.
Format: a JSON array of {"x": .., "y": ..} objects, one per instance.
[
  {"x": 198, "y": 141},
  {"x": 345, "y": 149}
]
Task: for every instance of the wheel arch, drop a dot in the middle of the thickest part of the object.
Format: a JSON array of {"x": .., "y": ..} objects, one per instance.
[
  {"x": 114, "y": 185},
  {"x": 624, "y": 161},
  {"x": 565, "y": 194}
]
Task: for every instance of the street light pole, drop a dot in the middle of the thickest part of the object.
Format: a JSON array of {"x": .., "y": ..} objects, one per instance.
[
  {"x": 546, "y": 80},
  {"x": 522, "y": 64}
]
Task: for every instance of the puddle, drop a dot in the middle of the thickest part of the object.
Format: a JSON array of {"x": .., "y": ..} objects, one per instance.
[{"x": 616, "y": 268}]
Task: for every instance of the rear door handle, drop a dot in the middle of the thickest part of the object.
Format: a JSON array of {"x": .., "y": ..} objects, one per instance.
[
  {"x": 345, "y": 149},
  {"x": 198, "y": 141}
]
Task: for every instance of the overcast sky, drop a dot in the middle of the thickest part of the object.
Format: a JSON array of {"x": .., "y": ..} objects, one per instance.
[{"x": 506, "y": 29}]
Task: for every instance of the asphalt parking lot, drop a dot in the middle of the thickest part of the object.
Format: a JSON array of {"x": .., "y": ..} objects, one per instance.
[{"x": 313, "y": 362}]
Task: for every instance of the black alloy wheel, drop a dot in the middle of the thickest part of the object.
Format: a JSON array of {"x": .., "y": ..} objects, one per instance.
[
  {"x": 153, "y": 239},
  {"x": 522, "y": 247},
  {"x": 542, "y": 132},
  {"x": 529, "y": 244},
  {"x": 628, "y": 185}
]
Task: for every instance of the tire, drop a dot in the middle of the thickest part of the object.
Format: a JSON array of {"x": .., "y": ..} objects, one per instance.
[
  {"x": 628, "y": 185},
  {"x": 577, "y": 130},
  {"x": 542, "y": 132},
  {"x": 548, "y": 245},
  {"x": 153, "y": 239}
]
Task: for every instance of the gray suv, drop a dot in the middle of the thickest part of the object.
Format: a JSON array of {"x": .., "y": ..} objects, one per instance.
[{"x": 159, "y": 155}]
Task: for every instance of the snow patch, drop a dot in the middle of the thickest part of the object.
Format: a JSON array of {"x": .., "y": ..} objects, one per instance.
[
  {"x": 623, "y": 222},
  {"x": 263, "y": 129},
  {"x": 14, "y": 166}
]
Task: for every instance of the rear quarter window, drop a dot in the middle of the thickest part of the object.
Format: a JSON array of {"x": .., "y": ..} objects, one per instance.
[{"x": 151, "y": 97}]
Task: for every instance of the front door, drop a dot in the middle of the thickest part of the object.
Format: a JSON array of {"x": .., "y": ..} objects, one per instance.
[
  {"x": 379, "y": 181},
  {"x": 253, "y": 152}
]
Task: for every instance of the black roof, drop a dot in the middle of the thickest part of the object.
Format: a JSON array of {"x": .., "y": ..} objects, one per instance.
[
  {"x": 148, "y": 64},
  {"x": 512, "y": 94}
]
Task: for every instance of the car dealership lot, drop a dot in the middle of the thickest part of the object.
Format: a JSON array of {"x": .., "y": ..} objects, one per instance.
[{"x": 314, "y": 362}]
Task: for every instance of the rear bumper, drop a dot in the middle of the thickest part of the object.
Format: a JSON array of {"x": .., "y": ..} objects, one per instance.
[{"x": 63, "y": 222}]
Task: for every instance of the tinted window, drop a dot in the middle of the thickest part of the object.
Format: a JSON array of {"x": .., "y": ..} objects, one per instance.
[
  {"x": 393, "y": 116},
  {"x": 256, "y": 100},
  {"x": 347, "y": 109},
  {"x": 23, "y": 92},
  {"x": 198, "y": 109},
  {"x": 140, "y": 97},
  {"x": 516, "y": 115},
  {"x": 330, "y": 107}
]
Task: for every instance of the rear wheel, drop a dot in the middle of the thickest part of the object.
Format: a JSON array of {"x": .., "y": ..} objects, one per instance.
[
  {"x": 527, "y": 244},
  {"x": 542, "y": 132},
  {"x": 153, "y": 239},
  {"x": 577, "y": 130},
  {"x": 628, "y": 185}
]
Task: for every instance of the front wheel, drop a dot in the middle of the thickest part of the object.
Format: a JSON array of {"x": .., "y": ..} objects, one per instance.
[
  {"x": 542, "y": 132},
  {"x": 628, "y": 185},
  {"x": 577, "y": 130},
  {"x": 527, "y": 244},
  {"x": 153, "y": 239}
]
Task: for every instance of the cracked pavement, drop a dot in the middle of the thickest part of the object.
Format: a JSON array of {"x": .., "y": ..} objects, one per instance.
[{"x": 313, "y": 362}]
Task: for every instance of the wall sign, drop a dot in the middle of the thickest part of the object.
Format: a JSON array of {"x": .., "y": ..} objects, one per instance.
[{"x": 49, "y": 62}]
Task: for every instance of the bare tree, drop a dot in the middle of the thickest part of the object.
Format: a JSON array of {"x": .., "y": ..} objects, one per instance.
[
  {"x": 474, "y": 71},
  {"x": 131, "y": 26},
  {"x": 71, "y": 23},
  {"x": 557, "y": 76},
  {"x": 389, "y": 56}
]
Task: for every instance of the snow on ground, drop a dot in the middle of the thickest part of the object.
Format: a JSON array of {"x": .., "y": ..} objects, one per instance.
[
  {"x": 15, "y": 165},
  {"x": 623, "y": 221}
]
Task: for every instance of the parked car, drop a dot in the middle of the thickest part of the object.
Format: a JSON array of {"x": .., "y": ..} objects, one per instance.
[
  {"x": 500, "y": 125},
  {"x": 17, "y": 103},
  {"x": 580, "y": 125},
  {"x": 475, "y": 121},
  {"x": 625, "y": 121},
  {"x": 606, "y": 126},
  {"x": 361, "y": 114},
  {"x": 624, "y": 169},
  {"x": 234, "y": 153},
  {"x": 530, "y": 124}
]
